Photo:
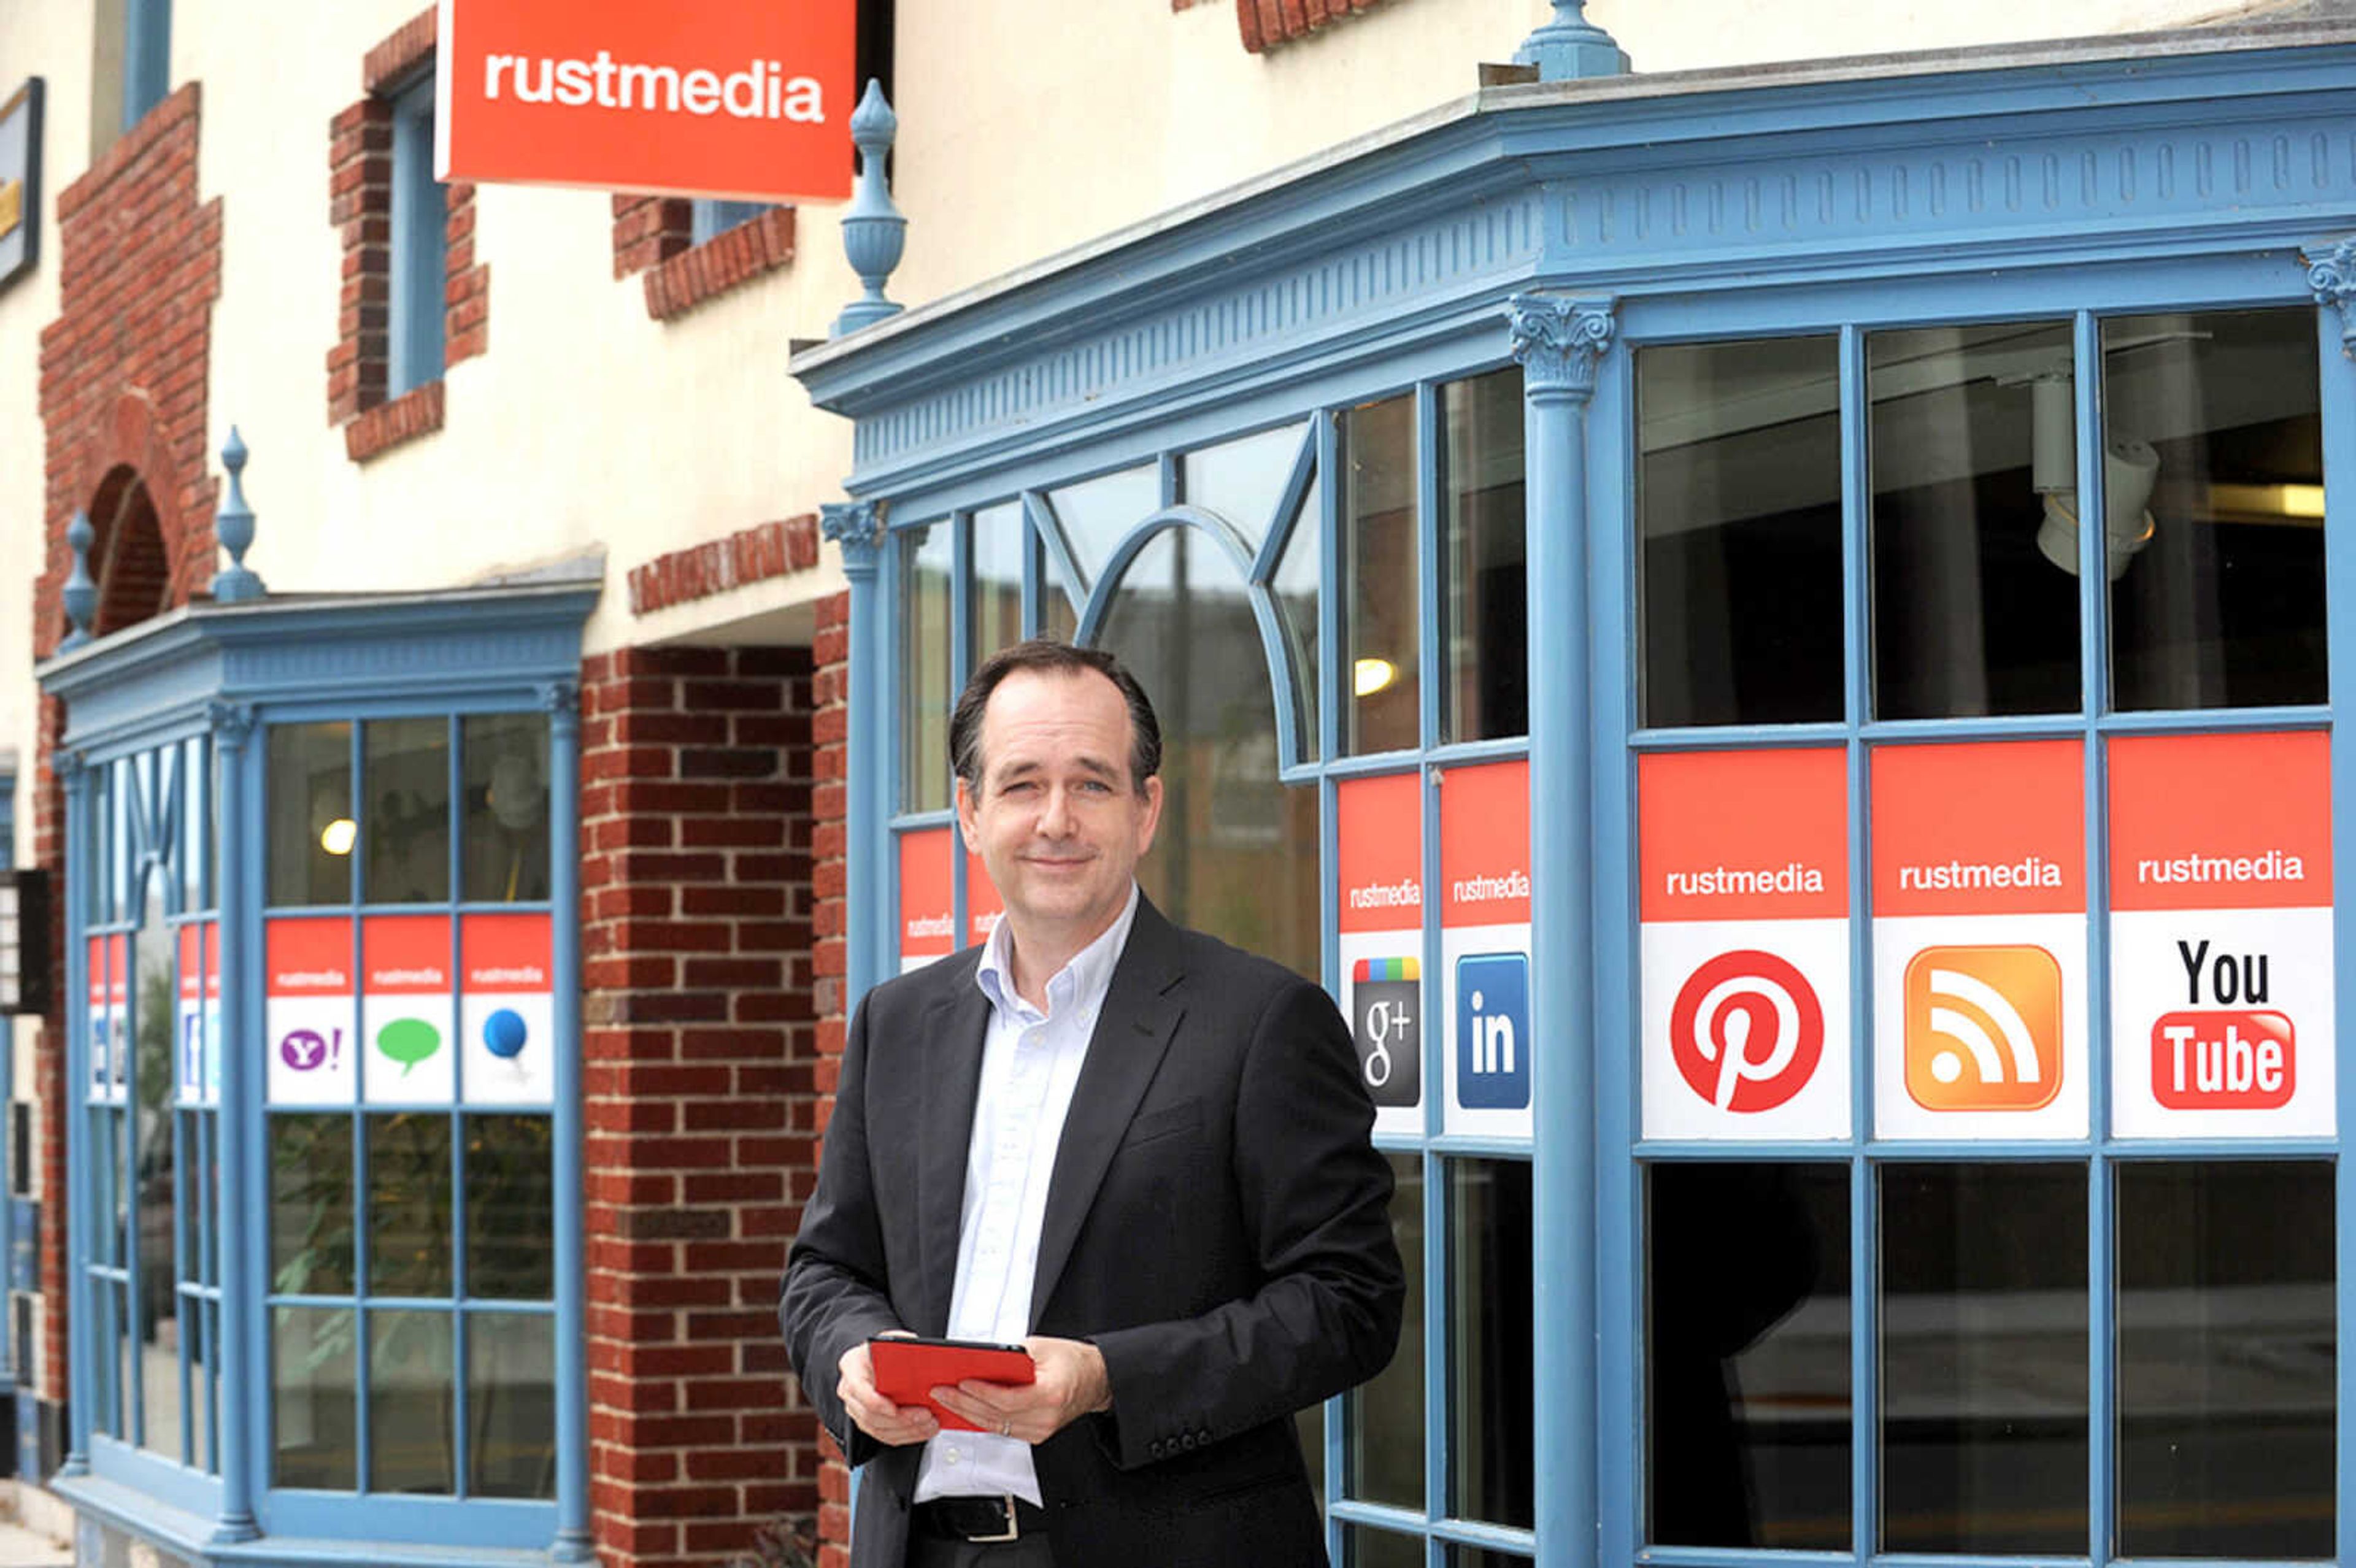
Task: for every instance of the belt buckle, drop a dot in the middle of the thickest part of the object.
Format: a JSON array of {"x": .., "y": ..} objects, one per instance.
[{"x": 1014, "y": 1531}]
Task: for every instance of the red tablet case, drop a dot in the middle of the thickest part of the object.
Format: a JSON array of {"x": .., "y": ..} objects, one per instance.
[{"x": 907, "y": 1370}]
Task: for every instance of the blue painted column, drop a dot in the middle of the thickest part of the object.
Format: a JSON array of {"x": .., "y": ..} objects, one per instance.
[
  {"x": 80, "y": 783},
  {"x": 573, "y": 1542},
  {"x": 857, "y": 526},
  {"x": 1559, "y": 343},
  {"x": 241, "y": 922}
]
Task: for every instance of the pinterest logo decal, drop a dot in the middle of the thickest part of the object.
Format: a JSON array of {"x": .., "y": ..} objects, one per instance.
[{"x": 1747, "y": 1031}]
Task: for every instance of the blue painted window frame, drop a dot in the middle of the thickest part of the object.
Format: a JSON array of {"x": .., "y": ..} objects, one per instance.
[
  {"x": 710, "y": 217},
  {"x": 7, "y": 820},
  {"x": 147, "y": 57},
  {"x": 418, "y": 257}
]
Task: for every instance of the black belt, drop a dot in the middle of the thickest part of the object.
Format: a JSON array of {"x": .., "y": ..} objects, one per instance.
[{"x": 1000, "y": 1518}]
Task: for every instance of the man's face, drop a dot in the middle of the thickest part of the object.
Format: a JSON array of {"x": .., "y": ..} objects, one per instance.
[{"x": 1056, "y": 819}]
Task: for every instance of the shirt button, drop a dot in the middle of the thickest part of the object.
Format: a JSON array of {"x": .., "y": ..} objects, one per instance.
[{"x": 952, "y": 1456}]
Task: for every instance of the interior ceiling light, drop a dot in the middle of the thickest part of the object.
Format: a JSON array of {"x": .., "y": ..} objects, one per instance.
[
  {"x": 1371, "y": 676},
  {"x": 336, "y": 837},
  {"x": 2130, "y": 469},
  {"x": 2264, "y": 503}
]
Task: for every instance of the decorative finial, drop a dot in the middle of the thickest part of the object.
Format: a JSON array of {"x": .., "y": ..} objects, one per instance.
[
  {"x": 234, "y": 526},
  {"x": 1570, "y": 47},
  {"x": 874, "y": 235},
  {"x": 81, "y": 592}
]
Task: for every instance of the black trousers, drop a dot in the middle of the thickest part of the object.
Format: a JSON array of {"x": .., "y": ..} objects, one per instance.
[{"x": 928, "y": 1551}]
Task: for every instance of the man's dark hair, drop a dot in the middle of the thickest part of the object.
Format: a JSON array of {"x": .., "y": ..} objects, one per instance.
[{"x": 1050, "y": 656}]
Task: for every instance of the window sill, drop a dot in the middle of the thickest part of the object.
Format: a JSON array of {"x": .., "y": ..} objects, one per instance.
[
  {"x": 722, "y": 263},
  {"x": 416, "y": 412}
]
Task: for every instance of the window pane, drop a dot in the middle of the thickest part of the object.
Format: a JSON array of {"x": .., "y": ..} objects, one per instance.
[
  {"x": 511, "y": 1405},
  {"x": 408, "y": 1204},
  {"x": 1484, "y": 587},
  {"x": 999, "y": 540},
  {"x": 925, "y": 558},
  {"x": 155, "y": 992},
  {"x": 1492, "y": 1394},
  {"x": 1475, "y": 1557},
  {"x": 1236, "y": 851},
  {"x": 1984, "y": 1411},
  {"x": 312, "y": 1406},
  {"x": 506, "y": 758},
  {"x": 1100, "y": 513},
  {"x": 2227, "y": 1351},
  {"x": 1379, "y": 585},
  {"x": 1381, "y": 1549},
  {"x": 1243, "y": 480},
  {"x": 511, "y": 1209},
  {"x": 405, "y": 768},
  {"x": 412, "y": 1446},
  {"x": 310, "y": 814},
  {"x": 2217, "y": 419},
  {"x": 1747, "y": 1334},
  {"x": 1384, "y": 1431},
  {"x": 1969, "y": 615},
  {"x": 311, "y": 1205},
  {"x": 1738, "y": 507},
  {"x": 1298, "y": 573}
]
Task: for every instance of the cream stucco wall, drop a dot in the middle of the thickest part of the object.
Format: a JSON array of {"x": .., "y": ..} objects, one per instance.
[{"x": 588, "y": 427}]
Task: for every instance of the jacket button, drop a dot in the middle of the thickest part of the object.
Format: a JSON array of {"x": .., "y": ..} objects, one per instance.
[
  {"x": 1187, "y": 1441},
  {"x": 1154, "y": 1448},
  {"x": 1204, "y": 1438}
]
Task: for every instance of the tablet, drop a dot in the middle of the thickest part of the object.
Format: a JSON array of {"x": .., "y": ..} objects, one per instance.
[{"x": 908, "y": 1370}]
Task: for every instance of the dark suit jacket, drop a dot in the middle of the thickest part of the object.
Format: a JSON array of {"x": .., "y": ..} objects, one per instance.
[{"x": 1217, "y": 1224}]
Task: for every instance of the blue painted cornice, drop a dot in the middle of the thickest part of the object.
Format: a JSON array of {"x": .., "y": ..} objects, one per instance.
[
  {"x": 433, "y": 648},
  {"x": 2198, "y": 142}
]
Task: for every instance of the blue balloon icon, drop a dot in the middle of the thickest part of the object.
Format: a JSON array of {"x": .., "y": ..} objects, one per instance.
[{"x": 504, "y": 1033}]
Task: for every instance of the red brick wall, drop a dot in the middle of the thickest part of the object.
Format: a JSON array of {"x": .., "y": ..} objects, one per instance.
[
  {"x": 124, "y": 375},
  {"x": 655, "y": 235},
  {"x": 830, "y": 693},
  {"x": 1268, "y": 23},
  {"x": 700, "y": 1044}
]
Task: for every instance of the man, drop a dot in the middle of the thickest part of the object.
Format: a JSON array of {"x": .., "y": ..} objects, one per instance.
[{"x": 1137, "y": 1152}]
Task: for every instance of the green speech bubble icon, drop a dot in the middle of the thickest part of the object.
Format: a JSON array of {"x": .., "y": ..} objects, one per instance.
[{"x": 408, "y": 1042}]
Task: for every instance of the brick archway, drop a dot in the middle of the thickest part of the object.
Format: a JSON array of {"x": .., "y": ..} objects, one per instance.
[{"x": 128, "y": 561}]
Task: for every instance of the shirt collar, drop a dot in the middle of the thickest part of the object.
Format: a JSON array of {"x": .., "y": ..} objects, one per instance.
[{"x": 1082, "y": 982}]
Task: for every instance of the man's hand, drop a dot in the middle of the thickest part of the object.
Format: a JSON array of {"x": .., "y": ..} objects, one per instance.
[
  {"x": 894, "y": 1425},
  {"x": 1070, "y": 1382}
]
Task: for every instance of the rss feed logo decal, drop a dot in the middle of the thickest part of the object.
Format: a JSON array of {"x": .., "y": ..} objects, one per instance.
[{"x": 1983, "y": 1028}]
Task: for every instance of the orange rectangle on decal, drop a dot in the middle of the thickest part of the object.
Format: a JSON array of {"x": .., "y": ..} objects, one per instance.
[
  {"x": 738, "y": 101},
  {"x": 1484, "y": 845},
  {"x": 506, "y": 953},
  {"x": 982, "y": 905},
  {"x": 927, "y": 926},
  {"x": 95, "y": 971},
  {"x": 118, "y": 970},
  {"x": 1380, "y": 824},
  {"x": 1743, "y": 834},
  {"x": 1983, "y": 827},
  {"x": 308, "y": 957},
  {"x": 405, "y": 955},
  {"x": 192, "y": 976},
  {"x": 2221, "y": 821}
]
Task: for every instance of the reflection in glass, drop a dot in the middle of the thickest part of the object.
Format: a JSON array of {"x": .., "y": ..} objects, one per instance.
[
  {"x": 1475, "y": 1557},
  {"x": 925, "y": 558},
  {"x": 193, "y": 853},
  {"x": 1984, "y": 1411},
  {"x": 405, "y": 770},
  {"x": 506, "y": 759},
  {"x": 1747, "y": 1338},
  {"x": 310, "y": 814},
  {"x": 511, "y": 1405},
  {"x": 1383, "y": 1438},
  {"x": 1236, "y": 854},
  {"x": 311, "y": 1204},
  {"x": 1298, "y": 571},
  {"x": 408, "y": 1204},
  {"x": 511, "y": 1209},
  {"x": 2227, "y": 1353},
  {"x": 1000, "y": 539},
  {"x": 154, "y": 1010},
  {"x": 1492, "y": 1391},
  {"x": 1242, "y": 480},
  {"x": 1370, "y": 1547},
  {"x": 1739, "y": 508},
  {"x": 411, "y": 1446},
  {"x": 1483, "y": 586},
  {"x": 2218, "y": 417},
  {"x": 1379, "y": 578},
  {"x": 1969, "y": 615},
  {"x": 312, "y": 1414},
  {"x": 1098, "y": 514}
]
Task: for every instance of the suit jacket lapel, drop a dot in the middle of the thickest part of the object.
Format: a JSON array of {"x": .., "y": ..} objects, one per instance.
[
  {"x": 955, "y": 1027},
  {"x": 1134, "y": 1030}
]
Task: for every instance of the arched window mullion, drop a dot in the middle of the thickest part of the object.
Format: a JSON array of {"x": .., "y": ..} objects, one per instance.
[
  {"x": 1049, "y": 528},
  {"x": 1287, "y": 516}
]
